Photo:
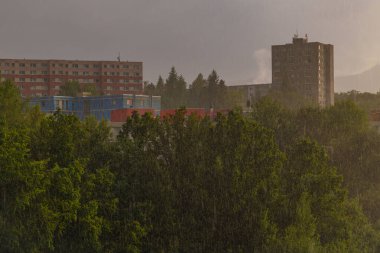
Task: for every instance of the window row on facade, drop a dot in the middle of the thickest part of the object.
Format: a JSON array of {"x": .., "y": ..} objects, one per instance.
[
  {"x": 60, "y": 80},
  {"x": 74, "y": 73},
  {"x": 71, "y": 65},
  {"x": 45, "y": 87}
]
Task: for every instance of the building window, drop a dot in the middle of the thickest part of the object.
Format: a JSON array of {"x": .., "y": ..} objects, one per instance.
[
  {"x": 21, "y": 72},
  {"x": 125, "y": 66},
  {"x": 75, "y": 66},
  {"x": 86, "y": 66},
  {"x": 125, "y": 74},
  {"x": 75, "y": 73},
  {"x": 21, "y": 64},
  {"x": 96, "y": 66}
]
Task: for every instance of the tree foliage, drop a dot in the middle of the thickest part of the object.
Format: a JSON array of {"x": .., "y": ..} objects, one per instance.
[
  {"x": 73, "y": 88},
  {"x": 201, "y": 93},
  {"x": 276, "y": 181}
]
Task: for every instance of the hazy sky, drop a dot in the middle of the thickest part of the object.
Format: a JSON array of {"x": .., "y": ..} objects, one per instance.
[{"x": 231, "y": 36}]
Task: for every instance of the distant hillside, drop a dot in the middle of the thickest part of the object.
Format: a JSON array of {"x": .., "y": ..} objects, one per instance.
[{"x": 368, "y": 81}]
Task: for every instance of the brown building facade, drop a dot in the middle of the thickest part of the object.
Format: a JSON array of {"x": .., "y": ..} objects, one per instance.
[
  {"x": 44, "y": 77},
  {"x": 307, "y": 67}
]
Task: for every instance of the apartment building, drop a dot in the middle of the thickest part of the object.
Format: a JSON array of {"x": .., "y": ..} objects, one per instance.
[
  {"x": 307, "y": 67},
  {"x": 45, "y": 77}
]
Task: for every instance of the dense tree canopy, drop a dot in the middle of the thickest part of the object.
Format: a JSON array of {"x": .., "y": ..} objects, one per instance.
[
  {"x": 73, "y": 88},
  {"x": 201, "y": 93},
  {"x": 278, "y": 180}
]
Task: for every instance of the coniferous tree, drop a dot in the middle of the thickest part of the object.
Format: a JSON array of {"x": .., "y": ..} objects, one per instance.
[
  {"x": 196, "y": 92},
  {"x": 169, "y": 98},
  {"x": 212, "y": 89},
  {"x": 180, "y": 92},
  {"x": 160, "y": 87},
  {"x": 149, "y": 89}
]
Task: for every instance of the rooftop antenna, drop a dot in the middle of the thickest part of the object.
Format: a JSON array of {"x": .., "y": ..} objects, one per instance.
[{"x": 118, "y": 57}]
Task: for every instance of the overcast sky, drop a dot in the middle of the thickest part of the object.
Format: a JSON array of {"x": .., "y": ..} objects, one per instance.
[{"x": 231, "y": 36}]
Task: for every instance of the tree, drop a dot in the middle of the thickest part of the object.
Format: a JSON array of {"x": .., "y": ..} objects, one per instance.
[
  {"x": 196, "y": 92},
  {"x": 160, "y": 87},
  {"x": 180, "y": 92},
  {"x": 212, "y": 89},
  {"x": 169, "y": 97},
  {"x": 81, "y": 192},
  {"x": 149, "y": 89},
  {"x": 90, "y": 88},
  {"x": 26, "y": 223},
  {"x": 11, "y": 104},
  {"x": 290, "y": 97},
  {"x": 70, "y": 88},
  {"x": 308, "y": 172}
]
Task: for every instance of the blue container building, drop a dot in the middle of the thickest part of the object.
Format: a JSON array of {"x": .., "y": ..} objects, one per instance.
[{"x": 98, "y": 106}]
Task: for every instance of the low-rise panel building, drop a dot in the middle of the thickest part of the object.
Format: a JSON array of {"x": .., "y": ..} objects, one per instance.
[{"x": 100, "y": 107}]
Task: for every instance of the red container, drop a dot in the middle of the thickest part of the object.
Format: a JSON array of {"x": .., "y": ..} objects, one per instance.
[
  {"x": 121, "y": 115},
  {"x": 167, "y": 113},
  {"x": 375, "y": 115},
  {"x": 200, "y": 112}
]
